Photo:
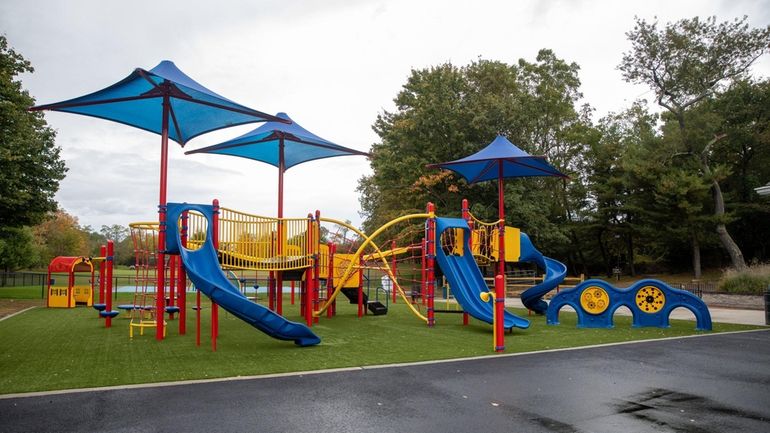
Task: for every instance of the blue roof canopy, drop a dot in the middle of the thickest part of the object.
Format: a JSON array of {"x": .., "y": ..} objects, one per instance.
[
  {"x": 485, "y": 164},
  {"x": 264, "y": 144},
  {"x": 137, "y": 100}
]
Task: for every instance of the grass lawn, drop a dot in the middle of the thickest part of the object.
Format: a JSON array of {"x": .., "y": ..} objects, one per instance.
[
  {"x": 22, "y": 292},
  {"x": 48, "y": 349}
]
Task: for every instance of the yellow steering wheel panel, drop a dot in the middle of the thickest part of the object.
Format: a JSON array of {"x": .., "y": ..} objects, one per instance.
[
  {"x": 650, "y": 299},
  {"x": 594, "y": 300}
]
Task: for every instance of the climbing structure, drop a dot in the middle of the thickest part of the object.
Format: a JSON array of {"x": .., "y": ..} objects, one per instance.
[{"x": 143, "y": 311}]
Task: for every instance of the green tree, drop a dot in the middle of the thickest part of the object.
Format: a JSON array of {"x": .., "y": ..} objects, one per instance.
[
  {"x": 685, "y": 63},
  {"x": 448, "y": 112},
  {"x": 30, "y": 160},
  {"x": 17, "y": 249},
  {"x": 116, "y": 232},
  {"x": 616, "y": 203}
]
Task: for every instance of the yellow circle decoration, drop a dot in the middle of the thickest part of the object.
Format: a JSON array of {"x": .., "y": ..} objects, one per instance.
[
  {"x": 594, "y": 300},
  {"x": 650, "y": 299}
]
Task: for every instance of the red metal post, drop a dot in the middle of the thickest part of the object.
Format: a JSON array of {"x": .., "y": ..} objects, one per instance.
[
  {"x": 292, "y": 292},
  {"x": 330, "y": 279},
  {"x": 499, "y": 313},
  {"x": 309, "y": 278},
  {"x": 110, "y": 255},
  {"x": 271, "y": 290},
  {"x": 501, "y": 216},
  {"x": 500, "y": 279},
  {"x": 279, "y": 292},
  {"x": 161, "y": 259},
  {"x": 182, "y": 284},
  {"x": 317, "y": 263},
  {"x": 70, "y": 287},
  {"x": 431, "y": 257},
  {"x": 214, "y": 307},
  {"x": 393, "y": 269},
  {"x": 171, "y": 284},
  {"x": 467, "y": 217},
  {"x": 423, "y": 272},
  {"x": 102, "y": 274}
]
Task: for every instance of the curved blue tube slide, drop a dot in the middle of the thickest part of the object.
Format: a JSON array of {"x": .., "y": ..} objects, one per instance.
[
  {"x": 203, "y": 269},
  {"x": 554, "y": 270},
  {"x": 465, "y": 279}
]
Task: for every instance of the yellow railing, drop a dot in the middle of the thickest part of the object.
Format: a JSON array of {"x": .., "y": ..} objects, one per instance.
[{"x": 252, "y": 242}]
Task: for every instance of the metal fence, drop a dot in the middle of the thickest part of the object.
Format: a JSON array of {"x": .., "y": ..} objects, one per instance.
[
  {"x": 39, "y": 279},
  {"x": 18, "y": 279},
  {"x": 697, "y": 288}
]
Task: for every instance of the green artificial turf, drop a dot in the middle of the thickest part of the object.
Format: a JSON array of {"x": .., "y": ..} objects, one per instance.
[
  {"x": 49, "y": 349},
  {"x": 22, "y": 292}
]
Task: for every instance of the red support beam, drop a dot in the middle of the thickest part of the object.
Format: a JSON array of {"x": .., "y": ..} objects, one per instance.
[
  {"x": 110, "y": 256},
  {"x": 431, "y": 257},
  {"x": 182, "y": 284}
]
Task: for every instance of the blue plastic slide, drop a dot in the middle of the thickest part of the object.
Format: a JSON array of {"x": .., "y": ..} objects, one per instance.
[
  {"x": 555, "y": 272},
  {"x": 465, "y": 279},
  {"x": 203, "y": 269}
]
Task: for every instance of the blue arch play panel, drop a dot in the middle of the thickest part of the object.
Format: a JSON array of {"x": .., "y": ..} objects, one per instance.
[{"x": 650, "y": 302}]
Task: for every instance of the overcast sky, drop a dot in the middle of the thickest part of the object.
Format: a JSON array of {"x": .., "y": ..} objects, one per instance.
[{"x": 332, "y": 65}]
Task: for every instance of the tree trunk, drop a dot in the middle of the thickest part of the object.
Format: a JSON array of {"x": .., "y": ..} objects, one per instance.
[
  {"x": 696, "y": 257},
  {"x": 605, "y": 260},
  {"x": 581, "y": 257},
  {"x": 736, "y": 255},
  {"x": 630, "y": 254}
]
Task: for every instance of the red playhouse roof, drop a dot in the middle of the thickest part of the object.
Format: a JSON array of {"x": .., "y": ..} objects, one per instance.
[{"x": 70, "y": 264}]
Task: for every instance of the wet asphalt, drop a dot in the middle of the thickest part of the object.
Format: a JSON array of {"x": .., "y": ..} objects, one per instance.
[{"x": 715, "y": 383}]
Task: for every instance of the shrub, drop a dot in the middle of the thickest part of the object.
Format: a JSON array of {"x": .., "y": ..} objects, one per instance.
[{"x": 754, "y": 280}]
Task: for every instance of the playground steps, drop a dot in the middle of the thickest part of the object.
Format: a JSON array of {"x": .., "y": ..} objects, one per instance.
[{"x": 376, "y": 307}]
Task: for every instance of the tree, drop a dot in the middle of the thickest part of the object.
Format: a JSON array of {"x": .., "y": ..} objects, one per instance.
[
  {"x": 16, "y": 249},
  {"x": 447, "y": 112},
  {"x": 684, "y": 64},
  {"x": 30, "y": 160},
  {"x": 116, "y": 232},
  {"x": 60, "y": 235}
]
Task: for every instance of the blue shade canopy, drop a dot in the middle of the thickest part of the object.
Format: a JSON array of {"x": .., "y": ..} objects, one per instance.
[
  {"x": 485, "y": 164},
  {"x": 280, "y": 144},
  {"x": 137, "y": 100}
]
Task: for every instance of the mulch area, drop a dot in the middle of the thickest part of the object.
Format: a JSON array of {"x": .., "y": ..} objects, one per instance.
[{"x": 10, "y": 306}]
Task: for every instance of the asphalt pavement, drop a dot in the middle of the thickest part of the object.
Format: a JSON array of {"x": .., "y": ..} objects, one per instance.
[{"x": 710, "y": 383}]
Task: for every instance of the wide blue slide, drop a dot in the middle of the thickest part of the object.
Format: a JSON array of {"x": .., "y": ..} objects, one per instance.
[
  {"x": 554, "y": 271},
  {"x": 203, "y": 269},
  {"x": 465, "y": 278}
]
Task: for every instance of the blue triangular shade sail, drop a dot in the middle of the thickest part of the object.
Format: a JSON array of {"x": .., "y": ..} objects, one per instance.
[
  {"x": 263, "y": 144},
  {"x": 137, "y": 100},
  {"x": 485, "y": 164}
]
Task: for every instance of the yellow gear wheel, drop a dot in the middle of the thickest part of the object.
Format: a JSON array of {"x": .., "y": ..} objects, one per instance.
[
  {"x": 650, "y": 299},
  {"x": 594, "y": 300}
]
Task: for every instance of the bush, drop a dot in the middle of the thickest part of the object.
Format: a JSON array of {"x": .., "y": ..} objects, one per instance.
[{"x": 754, "y": 280}]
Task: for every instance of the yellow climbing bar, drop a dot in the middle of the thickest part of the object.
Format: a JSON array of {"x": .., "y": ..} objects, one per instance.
[{"x": 353, "y": 265}]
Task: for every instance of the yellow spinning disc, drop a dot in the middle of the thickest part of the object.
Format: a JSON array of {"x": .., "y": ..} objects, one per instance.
[
  {"x": 594, "y": 300},
  {"x": 650, "y": 299}
]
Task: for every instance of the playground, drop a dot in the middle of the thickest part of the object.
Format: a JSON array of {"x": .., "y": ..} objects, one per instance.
[{"x": 221, "y": 292}]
